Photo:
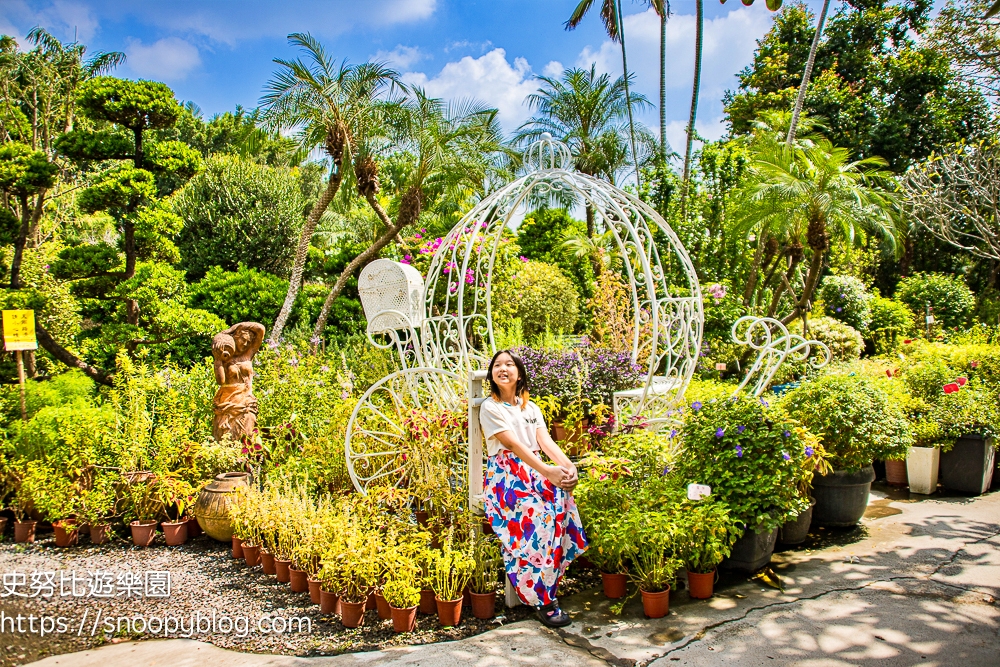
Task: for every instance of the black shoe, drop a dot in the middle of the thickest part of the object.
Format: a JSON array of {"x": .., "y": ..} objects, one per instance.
[{"x": 552, "y": 616}]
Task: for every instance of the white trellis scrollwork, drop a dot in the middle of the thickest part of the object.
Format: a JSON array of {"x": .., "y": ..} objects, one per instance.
[
  {"x": 452, "y": 333},
  {"x": 774, "y": 344}
]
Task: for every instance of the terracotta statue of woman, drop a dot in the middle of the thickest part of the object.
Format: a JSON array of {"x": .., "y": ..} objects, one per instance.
[{"x": 234, "y": 403}]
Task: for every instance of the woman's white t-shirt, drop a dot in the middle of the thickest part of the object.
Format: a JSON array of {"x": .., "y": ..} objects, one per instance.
[{"x": 496, "y": 416}]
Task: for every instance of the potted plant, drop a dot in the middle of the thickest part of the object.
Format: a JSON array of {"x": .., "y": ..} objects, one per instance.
[
  {"x": 245, "y": 526},
  {"x": 704, "y": 536},
  {"x": 142, "y": 507},
  {"x": 752, "y": 456},
  {"x": 24, "y": 528},
  {"x": 452, "y": 570},
  {"x": 173, "y": 493},
  {"x": 425, "y": 560},
  {"x": 358, "y": 575},
  {"x": 857, "y": 422},
  {"x": 403, "y": 597},
  {"x": 97, "y": 506},
  {"x": 56, "y": 499},
  {"x": 485, "y": 576},
  {"x": 796, "y": 529},
  {"x": 655, "y": 561},
  {"x": 969, "y": 419}
]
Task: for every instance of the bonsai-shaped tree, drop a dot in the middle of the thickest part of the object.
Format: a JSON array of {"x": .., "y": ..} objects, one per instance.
[{"x": 130, "y": 286}]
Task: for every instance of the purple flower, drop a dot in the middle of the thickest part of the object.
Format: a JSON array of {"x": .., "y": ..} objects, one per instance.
[
  {"x": 673, "y": 433},
  {"x": 739, "y": 452},
  {"x": 293, "y": 362},
  {"x": 786, "y": 456},
  {"x": 810, "y": 451},
  {"x": 665, "y": 471},
  {"x": 719, "y": 432},
  {"x": 764, "y": 403},
  {"x": 787, "y": 434},
  {"x": 839, "y": 309},
  {"x": 740, "y": 429},
  {"x": 696, "y": 406},
  {"x": 315, "y": 340},
  {"x": 843, "y": 296}
]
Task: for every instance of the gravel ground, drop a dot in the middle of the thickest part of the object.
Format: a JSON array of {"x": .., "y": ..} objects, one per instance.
[{"x": 205, "y": 579}]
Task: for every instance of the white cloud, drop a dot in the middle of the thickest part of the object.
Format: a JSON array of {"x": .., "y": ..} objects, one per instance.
[
  {"x": 729, "y": 43},
  {"x": 226, "y": 23},
  {"x": 65, "y": 19},
  {"x": 553, "y": 69},
  {"x": 469, "y": 46},
  {"x": 169, "y": 59},
  {"x": 490, "y": 79},
  {"x": 401, "y": 57}
]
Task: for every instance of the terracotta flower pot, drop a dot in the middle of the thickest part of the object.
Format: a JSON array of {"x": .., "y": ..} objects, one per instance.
[
  {"x": 143, "y": 533},
  {"x": 427, "y": 603},
  {"x": 212, "y": 505},
  {"x": 483, "y": 604},
  {"x": 614, "y": 585},
  {"x": 422, "y": 518},
  {"x": 194, "y": 528},
  {"x": 404, "y": 620},
  {"x": 67, "y": 532},
  {"x": 329, "y": 603},
  {"x": 267, "y": 562},
  {"x": 449, "y": 611},
  {"x": 251, "y": 554},
  {"x": 352, "y": 614},
  {"x": 281, "y": 568},
  {"x": 895, "y": 473},
  {"x": 382, "y": 605},
  {"x": 656, "y": 605},
  {"x": 314, "y": 589},
  {"x": 175, "y": 533},
  {"x": 701, "y": 586},
  {"x": 370, "y": 600},
  {"x": 100, "y": 533},
  {"x": 299, "y": 580},
  {"x": 24, "y": 531},
  {"x": 237, "y": 547}
]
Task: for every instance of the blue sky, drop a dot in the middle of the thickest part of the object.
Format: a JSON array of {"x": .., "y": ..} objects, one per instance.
[{"x": 218, "y": 53}]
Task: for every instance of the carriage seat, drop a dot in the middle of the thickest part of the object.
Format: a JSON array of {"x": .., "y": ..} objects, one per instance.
[{"x": 392, "y": 295}]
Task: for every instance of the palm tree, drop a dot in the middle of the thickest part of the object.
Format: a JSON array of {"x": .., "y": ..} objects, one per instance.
[
  {"x": 699, "y": 32},
  {"x": 585, "y": 111},
  {"x": 455, "y": 145},
  {"x": 329, "y": 106},
  {"x": 816, "y": 194},
  {"x": 614, "y": 25},
  {"x": 662, "y": 9}
]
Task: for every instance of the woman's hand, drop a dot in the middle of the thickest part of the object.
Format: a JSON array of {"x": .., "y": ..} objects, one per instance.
[
  {"x": 570, "y": 479},
  {"x": 556, "y": 474}
]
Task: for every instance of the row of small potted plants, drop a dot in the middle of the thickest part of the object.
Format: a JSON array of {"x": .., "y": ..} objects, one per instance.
[{"x": 352, "y": 554}]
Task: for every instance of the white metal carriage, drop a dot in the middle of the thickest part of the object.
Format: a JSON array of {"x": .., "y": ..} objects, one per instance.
[{"x": 442, "y": 328}]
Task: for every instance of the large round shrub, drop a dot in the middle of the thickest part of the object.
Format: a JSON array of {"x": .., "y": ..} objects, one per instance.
[
  {"x": 846, "y": 298},
  {"x": 844, "y": 341},
  {"x": 541, "y": 296},
  {"x": 949, "y": 296},
  {"x": 855, "y": 419},
  {"x": 239, "y": 212}
]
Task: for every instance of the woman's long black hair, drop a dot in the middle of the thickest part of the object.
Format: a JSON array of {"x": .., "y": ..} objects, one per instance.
[{"x": 520, "y": 389}]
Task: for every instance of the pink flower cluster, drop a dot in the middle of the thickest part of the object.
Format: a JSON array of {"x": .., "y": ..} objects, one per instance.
[{"x": 717, "y": 292}]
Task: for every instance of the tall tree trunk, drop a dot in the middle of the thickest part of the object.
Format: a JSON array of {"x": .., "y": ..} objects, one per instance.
[
  {"x": 409, "y": 211},
  {"x": 302, "y": 252},
  {"x": 801, "y": 97},
  {"x": 663, "y": 84},
  {"x": 19, "y": 243},
  {"x": 590, "y": 221},
  {"x": 62, "y": 354},
  {"x": 812, "y": 278},
  {"x": 628, "y": 96},
  {"x": 698, "y": 40}
]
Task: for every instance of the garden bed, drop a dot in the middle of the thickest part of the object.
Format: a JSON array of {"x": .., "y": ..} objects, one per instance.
[{"x": 205, "y": 578}]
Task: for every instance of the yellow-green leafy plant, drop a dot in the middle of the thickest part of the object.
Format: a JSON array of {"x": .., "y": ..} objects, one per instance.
[
  {"x": 400, "y": 591},
  {"x": 489, "y": 562},
  {"x": 451, "y": 573}
]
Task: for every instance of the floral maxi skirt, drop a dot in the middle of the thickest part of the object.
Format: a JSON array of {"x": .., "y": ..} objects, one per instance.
[{"x": 538, "y": 525}]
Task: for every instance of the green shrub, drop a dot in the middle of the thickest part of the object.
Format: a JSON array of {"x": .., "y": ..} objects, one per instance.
[
  {"x": 890, "y": 320},
  {"x": 249, "y": 295},
  {"x": 846, "y": 298},
  {"x": 541, "y": 296},
  {"x": 752, "y": 456},
  {"x": 844, "y": 341},
  {"x": 952, "y": 301},
  {"x": 971, "y": 410},
  {"x": 855, "y": 419},
  {"x": 239, "y": 212}
]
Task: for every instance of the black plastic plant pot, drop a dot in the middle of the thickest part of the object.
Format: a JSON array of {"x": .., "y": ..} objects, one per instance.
[
  {"x": 751, "y": 552},
  {"x": 968, "y": 467},
  {"x": 797, "y": 530},
  {"x": 841, "y": 496}
]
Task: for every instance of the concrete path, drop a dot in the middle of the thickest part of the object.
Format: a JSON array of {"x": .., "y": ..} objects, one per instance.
[{"x": 917, "y": 584}]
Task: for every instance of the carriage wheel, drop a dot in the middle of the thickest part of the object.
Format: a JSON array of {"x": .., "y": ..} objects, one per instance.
[{"x": 376, "y": 433}]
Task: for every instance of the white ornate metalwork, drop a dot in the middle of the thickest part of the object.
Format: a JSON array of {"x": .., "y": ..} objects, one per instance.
[
  {"x": 774, "y": 344},
  {"x": 456, "y": 335},
  {"x": 392, "y": 297}
]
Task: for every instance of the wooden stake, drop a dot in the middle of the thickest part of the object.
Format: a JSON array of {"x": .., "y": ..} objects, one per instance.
[{"x": 20, "y": 380}]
